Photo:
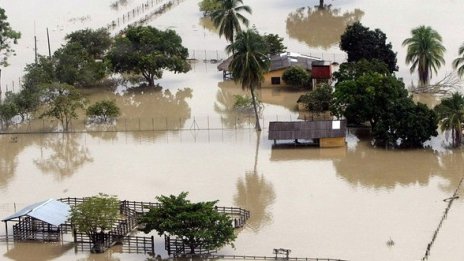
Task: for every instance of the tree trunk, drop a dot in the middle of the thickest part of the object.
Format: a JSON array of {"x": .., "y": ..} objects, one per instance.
[
  {"x": 257, "y": 125},
  {"x": 321, "y": 4}
]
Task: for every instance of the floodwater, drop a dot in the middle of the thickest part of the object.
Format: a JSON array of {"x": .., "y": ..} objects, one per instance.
[{"x": 341, "y": 203}]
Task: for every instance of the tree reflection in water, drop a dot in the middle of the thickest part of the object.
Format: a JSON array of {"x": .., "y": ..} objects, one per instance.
[
  {"x": 320, "y": 27},
  {"x": 255, "y": 194},
  {"x": 378, "y": 168},
  {"x": 68, "y": 154},
  {"x": 10, "y": 147}
]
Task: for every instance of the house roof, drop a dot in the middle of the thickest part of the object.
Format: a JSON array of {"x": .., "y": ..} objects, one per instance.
[
  {"x": 280, "y": 61},
  {"x": 50, "y": 211}
]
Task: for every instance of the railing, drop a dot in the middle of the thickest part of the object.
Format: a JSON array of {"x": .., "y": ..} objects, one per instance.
[
  {"x": 229, "y": 122},
  {"x": 244, "y": 257}
]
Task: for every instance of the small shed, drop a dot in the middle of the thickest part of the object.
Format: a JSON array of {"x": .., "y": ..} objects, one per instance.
[
  {"x": 39, "y": 221},
  {"x": 327, "y": 133}
]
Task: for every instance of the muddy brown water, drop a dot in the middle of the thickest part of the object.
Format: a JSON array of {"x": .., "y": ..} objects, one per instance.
[{"x": 341, "y": 203}]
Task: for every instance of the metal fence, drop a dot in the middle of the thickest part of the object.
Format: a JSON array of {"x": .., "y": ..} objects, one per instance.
[{"x": 230, "y": 121}]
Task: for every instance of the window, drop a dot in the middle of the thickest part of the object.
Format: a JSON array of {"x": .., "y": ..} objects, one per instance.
[{"x": 275, "y": 80}]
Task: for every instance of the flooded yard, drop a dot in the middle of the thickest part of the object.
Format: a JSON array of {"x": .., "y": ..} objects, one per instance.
[{"x": 348, "y": 203}]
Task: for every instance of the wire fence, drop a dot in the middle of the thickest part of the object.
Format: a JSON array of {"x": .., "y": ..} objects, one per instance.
[
  {"x": 215, "y": 56},
  {"x": 230, "y": 121}
]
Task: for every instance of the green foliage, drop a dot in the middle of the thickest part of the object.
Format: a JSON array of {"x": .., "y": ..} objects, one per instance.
[
  {"x": 405, "y": 125},
  {"x": 353, "y": 70},
  {"x": 39, "y": 73},
  {"x": 103, "y": 111},
  {"x": 62, "y": 102},
  {"x": 8, "y": 110},
  {"x": 148, "y": 51},
  {"x": 274, "y": 43},
  {"x": 249, "y": 62},
  {"x": 425, "y": 52},
  {"x": 7, "y": 37},
  {"x": 75, "y": 66},
  {"x": 244, "y": 103},
  {"x": 318, "y": 100},
  {"x": 361, "y": 43},
  {"x": 227, "y": 18},
  {"x": 209, "y": 6},
  {"x": 458, "y": 63},
  {"x": 382, "y": 100},
  {"x": 451, "y": 116},
  {"x": 96, "y": 214},
  {"x": 94, "y": 42},
  {"x": 297, "y": 76},
  {"x": 197, "y": 224}
]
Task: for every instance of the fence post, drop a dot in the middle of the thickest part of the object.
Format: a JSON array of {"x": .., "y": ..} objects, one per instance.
[{"x": 153, "y": 124}]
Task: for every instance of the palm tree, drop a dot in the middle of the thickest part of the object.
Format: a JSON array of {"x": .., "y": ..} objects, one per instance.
[
  {"x": 425, "y": 52},
  {"x": 458, "y": 63},
  {"x": 249, "y": 63},
  {"x": 451, "y": 115},
  {"x": 228, "y": 18}
]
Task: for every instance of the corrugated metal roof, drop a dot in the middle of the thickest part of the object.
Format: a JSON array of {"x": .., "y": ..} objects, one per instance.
[{"x": 50, "y": 211}]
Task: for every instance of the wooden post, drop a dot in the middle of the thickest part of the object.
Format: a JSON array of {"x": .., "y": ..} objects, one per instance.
[{"x": 49, "y": 49}]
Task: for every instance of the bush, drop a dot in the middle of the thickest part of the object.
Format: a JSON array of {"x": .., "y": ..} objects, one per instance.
[
  {"x": 103, "y": 111},
  {"x": 296, "y": 76},
  {"x": 318, "y": 100}
]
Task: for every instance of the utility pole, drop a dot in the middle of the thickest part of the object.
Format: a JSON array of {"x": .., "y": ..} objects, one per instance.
[{"x": 49, "y": 50}]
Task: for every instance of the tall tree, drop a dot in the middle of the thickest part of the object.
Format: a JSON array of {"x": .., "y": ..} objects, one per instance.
[
  {"x": 95, "y": 42},
  {"x": 227, "y": 18},
  {"x": 148, "y": 51},
  {"x": 362, "y": 43},
  {"x": 451, "y": 116},
  {"x": 425, "y": 52},
  {"x": 96, "y": 214},
  {"x": 458, "y": 63},
  {"x": 197, "y": 224},
  {"x": 7, "y": 37},
  {"x": 249, "y": 63},
  {"x": 275, "y": 44},
  {"x": 62, "y": 102}
]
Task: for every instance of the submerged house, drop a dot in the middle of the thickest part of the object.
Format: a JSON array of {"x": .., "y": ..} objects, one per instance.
[
  {"x": 321, "y": 70},
  {"x": 41, "y": 221}
]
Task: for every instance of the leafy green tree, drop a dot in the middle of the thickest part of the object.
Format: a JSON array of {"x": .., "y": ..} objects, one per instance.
[
  {"x": 451, "y": 116},
  {"x": 382, "y": 100},
  {"x": 62, "y": 102},
  {"x": 360, "y": 42},
  {"x": 148, "y": 51},
  {"x": 227, "y": 18},
  {"x": 458, "y": 63},
  {"x": 75, "y": 66},
  {"x": 296, "y": 76},
  {"x": 8, "y": 110},
  {"x": 96, "y": 215},
  {"x": 405, "y": 125},
  {"x": 209, "y": 6},
  {"x": 103, "y": 111},
  {"x": 249, "y": 63},
  {"x": 95, "y": 42},
  {"x": 7, "y": 37},
  {"x": 245, "y": 104},
  {"x": 353, "y": 70},
  {"x": 275, "y": 44},
  {"x": 365, "y": 98},
  {"x": 318, "y": 100},
  {"x": 197, "y": 224},
  {"x": 425, "y": 52},
  {"x": 39, "y": 73}
]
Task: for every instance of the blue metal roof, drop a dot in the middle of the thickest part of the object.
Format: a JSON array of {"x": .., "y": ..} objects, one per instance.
[{"x": 51, "y": 211}]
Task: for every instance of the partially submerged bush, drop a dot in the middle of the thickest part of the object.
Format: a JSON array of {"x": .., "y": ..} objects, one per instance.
[
  {"x": 318, "y": 100},
  {"x": 297, "y": 76},
  {"x": 103, "y": 111}
]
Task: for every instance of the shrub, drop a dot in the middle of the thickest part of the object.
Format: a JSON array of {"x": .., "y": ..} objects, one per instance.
[
  {"x": 296, "y": 76},
  {"x": 103, "y": 111}
]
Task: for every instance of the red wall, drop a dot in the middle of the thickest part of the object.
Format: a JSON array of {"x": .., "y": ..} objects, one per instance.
[{"x": 321, "y": 72}]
